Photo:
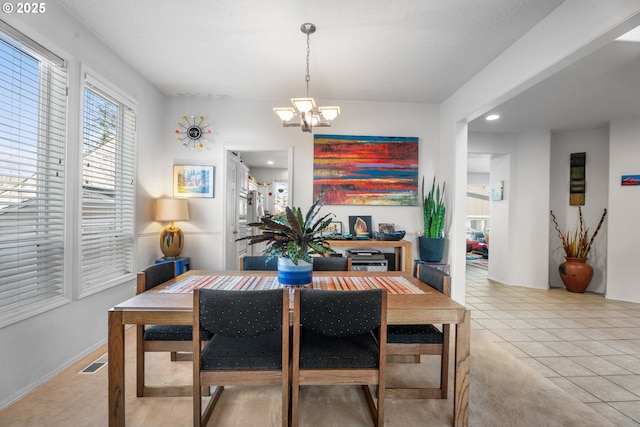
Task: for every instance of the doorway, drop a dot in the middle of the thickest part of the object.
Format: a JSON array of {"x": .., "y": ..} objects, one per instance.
[
  {"x": 265, "y": 168},
  {"x": 478, "y": 210}
]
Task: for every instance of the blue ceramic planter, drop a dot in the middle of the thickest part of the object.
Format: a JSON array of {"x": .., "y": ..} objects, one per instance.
[{"x": 294, "y": 275}]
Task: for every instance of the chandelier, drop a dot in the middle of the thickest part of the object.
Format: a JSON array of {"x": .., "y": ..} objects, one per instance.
[{"x": 305, "y": 113}]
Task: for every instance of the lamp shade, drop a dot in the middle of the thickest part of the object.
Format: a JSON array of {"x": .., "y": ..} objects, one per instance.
[{"x": 172, "y": 210}]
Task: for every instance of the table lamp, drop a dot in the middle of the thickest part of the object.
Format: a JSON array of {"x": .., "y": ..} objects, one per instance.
[{"x": 171, "y": 238}]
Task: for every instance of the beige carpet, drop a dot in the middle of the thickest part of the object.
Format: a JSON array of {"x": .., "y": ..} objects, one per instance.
[{"x": 503, "y": 392}]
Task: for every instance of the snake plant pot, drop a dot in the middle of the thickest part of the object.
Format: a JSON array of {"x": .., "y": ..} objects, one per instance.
[
  {"x": 431, "y": 248},
  {"x": 294, "y": 275}
]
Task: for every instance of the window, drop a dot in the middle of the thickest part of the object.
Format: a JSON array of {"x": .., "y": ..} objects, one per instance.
[
  {"x": 32, "y": 172},
  {"x": 281, "y": 197},
  {"x": 108, "y": 188}
]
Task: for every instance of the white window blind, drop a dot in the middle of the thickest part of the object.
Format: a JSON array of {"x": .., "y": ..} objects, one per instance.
[
  {"x": 32, "y": 170},
  {"x": 108, "y": 189}
]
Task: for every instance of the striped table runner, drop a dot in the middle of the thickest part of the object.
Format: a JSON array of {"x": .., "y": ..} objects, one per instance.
[{"x": 393, "y": 284}]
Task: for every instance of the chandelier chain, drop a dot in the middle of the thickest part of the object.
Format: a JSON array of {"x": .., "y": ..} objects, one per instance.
[{"x": 307, "y": 78}]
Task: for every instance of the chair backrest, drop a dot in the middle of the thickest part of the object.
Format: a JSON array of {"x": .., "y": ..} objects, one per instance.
[
  {"x": 341, "y": 313},
  {"x": 331, "y": 263},
  {"x": 258, "y": 262},
  {"x": 437, "y": 279},
  {"x": 155, "y": 274},
  {"x": 240, "y": 313}
]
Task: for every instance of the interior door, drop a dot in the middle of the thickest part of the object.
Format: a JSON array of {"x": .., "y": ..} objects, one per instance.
[{"x": 231, "y": 220}]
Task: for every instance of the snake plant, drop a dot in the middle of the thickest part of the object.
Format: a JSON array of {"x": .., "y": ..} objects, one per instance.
[{"x": 433, "y": 210}]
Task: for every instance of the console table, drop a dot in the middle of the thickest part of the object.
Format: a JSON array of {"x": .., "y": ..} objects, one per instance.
[
  {"x": 182, "y": 264},
  {"x": 402, "y": 249}
]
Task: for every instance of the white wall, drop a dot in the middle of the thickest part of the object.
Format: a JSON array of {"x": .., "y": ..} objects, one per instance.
[
  {"x": 624, "y": 204},
  {"x": 499, "y": 218},
  {"x": 231, "y": 130},
  {"x": 529, "y": 211},
  {"x": 519, "y": 221},
  {"x": 478, "y": 179},
  {"x": 573, "y": 30},
  {"x": 67, "y": 333},
  {"x": 595, "y": 142}
]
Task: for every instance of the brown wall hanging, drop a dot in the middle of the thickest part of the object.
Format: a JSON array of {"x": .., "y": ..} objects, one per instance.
[{"x": 577, "y": 181}]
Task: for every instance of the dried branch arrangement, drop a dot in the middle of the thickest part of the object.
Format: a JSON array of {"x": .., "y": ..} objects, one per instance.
[{"x": 576, "y": 242}]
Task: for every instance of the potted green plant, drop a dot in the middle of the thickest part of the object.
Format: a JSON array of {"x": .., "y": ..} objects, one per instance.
[
  {"x": 431, "y": 243},
  {"x": 293, "y": 239},
  {"x": 575, "y": 273}
]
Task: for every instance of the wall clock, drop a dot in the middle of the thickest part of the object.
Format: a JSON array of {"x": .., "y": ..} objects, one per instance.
[{"x": 192, "y": 132}]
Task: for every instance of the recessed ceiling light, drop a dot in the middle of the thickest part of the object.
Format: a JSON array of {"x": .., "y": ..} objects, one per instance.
[
  {"x": 491, "y": 117},
  {"x": 269, "y": 162}
]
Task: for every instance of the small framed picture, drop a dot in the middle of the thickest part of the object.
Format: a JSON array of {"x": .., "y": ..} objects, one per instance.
[
  {"x": 360, "y": 226},
  {"x": 333, "y": 229},
  {"x": 497, "y": 191},
  {"x": 630, "y": 180},
  {"x": 193, "y": 181}
]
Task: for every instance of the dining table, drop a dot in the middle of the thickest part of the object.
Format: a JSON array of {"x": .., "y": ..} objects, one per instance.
[{"x": 409, "y": 301}]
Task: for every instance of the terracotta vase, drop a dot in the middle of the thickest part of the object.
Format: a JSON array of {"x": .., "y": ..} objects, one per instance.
[{"x": 576, "y": 274}]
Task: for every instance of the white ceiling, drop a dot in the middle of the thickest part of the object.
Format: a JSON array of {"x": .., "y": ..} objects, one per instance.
[
  {"x": 367, "y": 50},
  {"x": 603, "y": 86},
  {"x": 262, "y": 159}
]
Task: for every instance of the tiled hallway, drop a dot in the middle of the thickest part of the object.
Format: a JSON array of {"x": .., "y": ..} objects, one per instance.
[{"x": 585, "y": 344}]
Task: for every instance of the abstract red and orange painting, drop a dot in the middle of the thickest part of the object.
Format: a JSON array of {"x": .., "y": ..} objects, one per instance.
[{"x": 366, "y": 170}]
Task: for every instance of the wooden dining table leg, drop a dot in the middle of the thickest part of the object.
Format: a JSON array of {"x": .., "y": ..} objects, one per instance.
[
  {"x": 461, "y": 380},
  {"x": 116, "y": 369}
]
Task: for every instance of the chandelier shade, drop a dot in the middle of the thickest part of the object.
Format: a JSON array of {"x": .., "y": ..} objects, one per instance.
[{"x": 305, "y": 113}]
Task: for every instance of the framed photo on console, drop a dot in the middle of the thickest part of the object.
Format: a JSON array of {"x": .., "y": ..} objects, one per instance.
[
  {"x": 333, "y": 229},
  {"x": 360, "y": 226}
]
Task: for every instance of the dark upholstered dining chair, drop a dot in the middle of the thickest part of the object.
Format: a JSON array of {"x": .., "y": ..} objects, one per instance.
[
  {"x": 165, "y": 338},
  {"x": 423, "y": 339},
  {"x": 331, "y": 263},
  {"x": 250, "y": 332},
  {"x": 339, "y": 338},
  {"x": 258, "y": 262}
]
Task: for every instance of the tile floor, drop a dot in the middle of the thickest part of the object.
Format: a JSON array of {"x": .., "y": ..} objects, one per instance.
[{"x": 583, "y": 343}]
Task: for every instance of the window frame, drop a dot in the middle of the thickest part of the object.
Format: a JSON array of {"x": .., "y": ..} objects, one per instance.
[
  {"x": 93, "y": 80},
  {"x": 52, "y": 88}
]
